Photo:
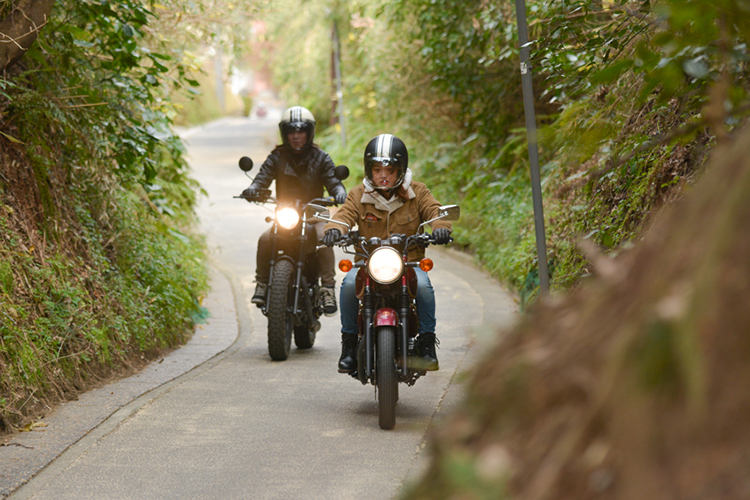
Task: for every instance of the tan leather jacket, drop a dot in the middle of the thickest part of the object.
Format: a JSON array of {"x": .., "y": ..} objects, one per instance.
[{"x": 375, "y": 222}]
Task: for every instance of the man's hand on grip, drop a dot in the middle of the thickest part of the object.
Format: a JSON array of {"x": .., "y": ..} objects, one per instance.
[
  {"x": 331, "y": 237},
  {"x": 250, "y": 192}
]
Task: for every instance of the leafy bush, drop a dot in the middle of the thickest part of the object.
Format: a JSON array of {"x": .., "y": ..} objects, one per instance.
[{"x": 101, "y": 267}]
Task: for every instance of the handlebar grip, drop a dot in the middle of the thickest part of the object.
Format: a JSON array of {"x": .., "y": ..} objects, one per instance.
[
  {"x": 432, "y": 241},
  {"x": 326, "y": 202},
  {"x": 261, "y": 197}
]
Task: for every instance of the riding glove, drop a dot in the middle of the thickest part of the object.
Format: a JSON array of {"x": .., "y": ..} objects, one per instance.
[
  {"x": 331, "y": 237},
  {"x": 251, "y": 192},
  {"x": 340, "y": 198},
  {"x": 442, "y": 235}
]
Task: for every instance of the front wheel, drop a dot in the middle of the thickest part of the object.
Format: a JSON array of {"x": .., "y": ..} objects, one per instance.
[
  {"x": 280, "y": 319},
  {"x": 387, "y": 378}
]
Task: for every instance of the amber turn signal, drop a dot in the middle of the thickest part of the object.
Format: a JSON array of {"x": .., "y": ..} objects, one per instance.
[
  {"x": 426, "y": 265},
  {"x": 345, "y": 265}
]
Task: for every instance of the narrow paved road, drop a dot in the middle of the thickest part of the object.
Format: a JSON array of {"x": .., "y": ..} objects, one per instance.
[{"x": 247, "y": 427}]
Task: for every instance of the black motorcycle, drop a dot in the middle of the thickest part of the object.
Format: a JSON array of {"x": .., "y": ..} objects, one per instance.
[
  {"x": 293, "y": 305},
  {"x": 386, "y": 286}
]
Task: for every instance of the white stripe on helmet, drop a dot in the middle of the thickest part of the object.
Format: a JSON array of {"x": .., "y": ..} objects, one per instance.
[{"x": 385, "y": 143}]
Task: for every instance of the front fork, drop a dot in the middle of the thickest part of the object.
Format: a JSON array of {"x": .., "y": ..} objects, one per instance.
[
  {"x": 403, "y": 311},
  {"x": 402, "y": 320},
  {"x": 368, "y": 311},
  {"x": 272, "y": 265},
  {"x": 300, "y": 263}
]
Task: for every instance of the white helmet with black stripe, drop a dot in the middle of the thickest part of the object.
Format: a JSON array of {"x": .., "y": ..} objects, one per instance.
[
  {"x": 387, "y": 149},
  {"x": 297, "y": 118}
]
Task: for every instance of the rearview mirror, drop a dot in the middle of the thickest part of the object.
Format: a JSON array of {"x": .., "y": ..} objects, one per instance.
[
  {"x": 450, "y": 212},
  {"x": 246, "y": 164},
  {"x": 341, "y": 172},
  {"x": 317, "y": 211},
  {"x": 446, "y": 212}
]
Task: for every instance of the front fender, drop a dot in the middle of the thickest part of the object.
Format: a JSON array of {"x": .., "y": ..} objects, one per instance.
[{"x": 385, "y": 316}]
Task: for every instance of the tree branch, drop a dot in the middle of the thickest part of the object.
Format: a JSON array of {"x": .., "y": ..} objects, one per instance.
[{"x": 20, "y": 29}]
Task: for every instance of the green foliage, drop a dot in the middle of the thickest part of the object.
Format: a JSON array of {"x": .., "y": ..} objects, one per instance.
[
  {"x": 101, "y": 267},
  {"x": 625, "y": 91},
  {"x": 469, "y": 50},
  {"x": 301, "y": 31},
  {"x": 103, "y": 50}
]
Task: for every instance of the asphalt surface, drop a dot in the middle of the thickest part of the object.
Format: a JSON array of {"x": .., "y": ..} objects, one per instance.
[
  {"x": 217, "y": 418},
  {"x": 25, "y": 454}
]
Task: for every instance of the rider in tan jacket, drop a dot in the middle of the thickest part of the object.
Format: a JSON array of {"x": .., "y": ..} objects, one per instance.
[
  {"x": 388, "y": 202},
  {"x": 374, "y": 217}
]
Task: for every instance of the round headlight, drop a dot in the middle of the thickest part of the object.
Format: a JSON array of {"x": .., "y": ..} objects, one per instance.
[
  {"x": 385, "y": 265},
  {"x": 287, "y": 217}
]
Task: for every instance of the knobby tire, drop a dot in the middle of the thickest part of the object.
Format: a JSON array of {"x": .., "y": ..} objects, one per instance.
[{"x": 280, "y": 321}]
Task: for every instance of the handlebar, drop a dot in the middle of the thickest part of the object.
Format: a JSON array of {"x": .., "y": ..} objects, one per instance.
[
  {"x": 353, "y": 238},
  {"x": 264, "y": 195},
  {"x": 326, "y": 202}
]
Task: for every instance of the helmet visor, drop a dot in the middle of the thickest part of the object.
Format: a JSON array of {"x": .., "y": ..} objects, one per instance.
[
  {"x": 384, "y": 161},
  {"x": 296, "y": 126}
]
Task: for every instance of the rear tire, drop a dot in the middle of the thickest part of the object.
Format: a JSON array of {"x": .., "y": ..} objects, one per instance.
[
  {"x": 304, "y": 338},
  {"x": 280, "y": 320},
  {"x": 386, "y": 376}
]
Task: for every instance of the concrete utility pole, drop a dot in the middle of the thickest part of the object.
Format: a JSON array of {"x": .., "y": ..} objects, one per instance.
[
  {"x": 337, "y": 77},
  {"x": 536, "y": 183}
]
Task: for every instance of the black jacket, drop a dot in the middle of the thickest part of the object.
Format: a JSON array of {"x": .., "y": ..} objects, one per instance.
[{"x": 299, "y": 176}]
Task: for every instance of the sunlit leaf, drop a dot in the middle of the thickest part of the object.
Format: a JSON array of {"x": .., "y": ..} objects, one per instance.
[
  {"x": 10, "y": 138},
  {"x": 611, "y": 72},
  {"x": 696, "y": 67}
]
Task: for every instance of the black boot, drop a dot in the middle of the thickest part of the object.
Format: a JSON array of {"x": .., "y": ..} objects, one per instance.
[
  {"x": 259, "y": 297},
  {"x": 428, "y": 360},
  {"x": 348, "y": 360}
]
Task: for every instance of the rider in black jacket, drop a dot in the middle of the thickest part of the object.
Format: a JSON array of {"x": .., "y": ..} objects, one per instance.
[{"x": 301, "y": 170}]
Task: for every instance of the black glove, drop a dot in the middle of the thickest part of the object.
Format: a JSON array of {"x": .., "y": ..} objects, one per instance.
[
  {"x": 442, "y": 235},
  {"x": 340, "y": 197},
  {"x": 331, "y": 237},
  {"x": 251, "y": 192}
]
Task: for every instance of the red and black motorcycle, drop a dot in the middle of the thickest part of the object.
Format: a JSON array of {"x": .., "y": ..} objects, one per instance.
[{"x": 386, "y": 286}]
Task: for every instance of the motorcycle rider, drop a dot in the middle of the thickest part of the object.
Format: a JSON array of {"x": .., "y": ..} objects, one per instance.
[
  {"x": 301, "y": 170},
  {"x": 387, "y": 202}
]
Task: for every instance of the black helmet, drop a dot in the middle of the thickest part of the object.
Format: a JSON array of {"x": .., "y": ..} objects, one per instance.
[
  {"x": 387, "y": 149},
  {"x": 297, "y": 118}
]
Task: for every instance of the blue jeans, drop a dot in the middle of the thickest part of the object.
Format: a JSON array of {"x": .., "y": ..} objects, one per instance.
[{"x": 350, "y": 304}]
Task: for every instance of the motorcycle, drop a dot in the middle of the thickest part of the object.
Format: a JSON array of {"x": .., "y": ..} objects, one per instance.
[
  {"x": 293, "y": 304},
  {"x": 386, "y": 286}
]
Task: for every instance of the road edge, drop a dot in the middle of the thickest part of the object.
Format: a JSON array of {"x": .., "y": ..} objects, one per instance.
[{"x": 208, "y": 346}]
